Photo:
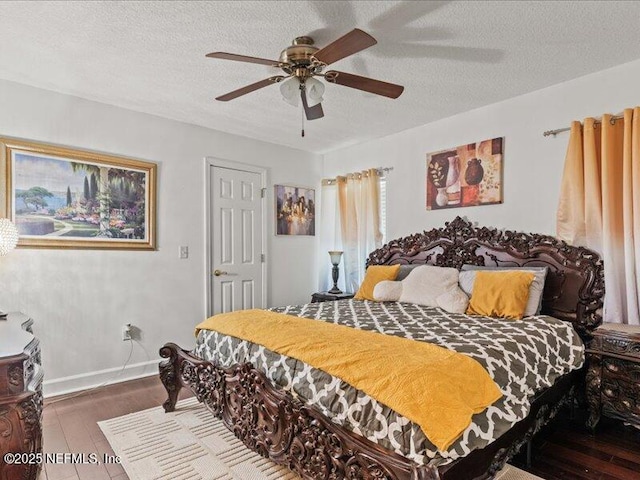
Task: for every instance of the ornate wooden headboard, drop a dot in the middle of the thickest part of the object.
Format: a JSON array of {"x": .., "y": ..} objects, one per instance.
[{"x": 574, "y": 287}]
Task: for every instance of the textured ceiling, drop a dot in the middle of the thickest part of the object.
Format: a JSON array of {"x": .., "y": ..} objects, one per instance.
[{"x": 451, "y": 57}]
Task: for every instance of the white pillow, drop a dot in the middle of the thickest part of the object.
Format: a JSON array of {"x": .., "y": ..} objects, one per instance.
[
  {"x": 387, "y": 291},
  {"x": 453, "y": 301},
  {"x": 426, "y": 283},
  {"x": 468, "y": 277},
  {"x": 466, "y": 280}
]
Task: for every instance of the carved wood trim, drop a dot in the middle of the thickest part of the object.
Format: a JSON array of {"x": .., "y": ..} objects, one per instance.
[
  {"x": 272, "y": 423},
  {"x": 16, "y": 378},
  {"x": 21, "y": 404},
  {"x": 275, "y": 425},
  {"x": 574, "y": 288},
  {"x": 613, "y": 381},
  {"x": 621, "y": 346},
  {"x": 30, "y": 412},
  {"x": 6, "y": 427},
  {"x": 594, "y": 368}
]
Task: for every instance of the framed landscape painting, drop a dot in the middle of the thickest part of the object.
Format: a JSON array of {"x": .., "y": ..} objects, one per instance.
[
  {"x": 295, "y": 210},
  {"x": 67, "y": 198},
  {"x": 465, "y": 176}
]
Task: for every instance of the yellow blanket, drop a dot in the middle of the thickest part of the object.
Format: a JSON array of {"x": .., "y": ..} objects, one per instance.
[{"x": 436, "y": 388}]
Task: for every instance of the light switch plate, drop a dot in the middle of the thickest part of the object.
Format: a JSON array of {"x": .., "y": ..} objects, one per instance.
[{"x": 184, "y": 252}]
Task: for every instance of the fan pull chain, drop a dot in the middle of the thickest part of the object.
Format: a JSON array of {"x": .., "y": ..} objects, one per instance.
[{"x": 302, "y": 120}]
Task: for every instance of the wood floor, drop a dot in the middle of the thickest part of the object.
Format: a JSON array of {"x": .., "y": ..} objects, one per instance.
[
  {"x": 566, "y": 450},
  {"x": 69, "y": 426},
  {"x": 562, "y": 451}
]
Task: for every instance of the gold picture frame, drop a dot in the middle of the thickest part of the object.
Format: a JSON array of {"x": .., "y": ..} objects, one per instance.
[{"x": 62, "y": 197}]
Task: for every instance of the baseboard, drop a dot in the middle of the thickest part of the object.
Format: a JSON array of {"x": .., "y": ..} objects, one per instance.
[{"x": 85, "y": 381}]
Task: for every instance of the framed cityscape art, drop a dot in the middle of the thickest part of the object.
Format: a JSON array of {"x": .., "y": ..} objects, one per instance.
[
  {"x": 295, "y": 210},
  {"x": 465, "y": 176}
]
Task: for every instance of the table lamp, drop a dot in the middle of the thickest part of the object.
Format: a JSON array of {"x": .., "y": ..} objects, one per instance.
[
  {"x": 8, "y": 241},
  {"x": 335, "y": 261}
]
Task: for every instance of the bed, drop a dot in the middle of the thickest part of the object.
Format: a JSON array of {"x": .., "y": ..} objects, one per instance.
[{"x": 261, "y": 405}]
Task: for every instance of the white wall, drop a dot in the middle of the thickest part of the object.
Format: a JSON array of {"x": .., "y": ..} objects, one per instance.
[
  {"x": 81, "y": 298},
  {"x": 533, "y": 164}
]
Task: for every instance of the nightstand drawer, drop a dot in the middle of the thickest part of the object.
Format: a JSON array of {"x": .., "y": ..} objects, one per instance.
[
  {"x": 621, "y": 388},
  {"x": 613, "y": 374},
  {"x": 621, "y": 346},
  {"x": 616, "y": 368},
  {"x": 621, "y": 398},
  {"x": 618, "y": 387}
]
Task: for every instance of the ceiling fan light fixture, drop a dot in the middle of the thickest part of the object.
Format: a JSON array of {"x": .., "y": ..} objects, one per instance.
[
  {"x": 314, "y": 89},
  {"x": 303, "y": 61},
  {"x": 290, "y": 91}
]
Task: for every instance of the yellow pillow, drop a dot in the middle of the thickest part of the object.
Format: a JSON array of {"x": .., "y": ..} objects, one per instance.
[
  {"x": 374, "y": 275},
  {"x": 500, "y": 294}
]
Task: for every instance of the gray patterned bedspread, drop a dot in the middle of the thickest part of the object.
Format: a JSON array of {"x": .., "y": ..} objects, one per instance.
[{"x": 522, "y": 357}]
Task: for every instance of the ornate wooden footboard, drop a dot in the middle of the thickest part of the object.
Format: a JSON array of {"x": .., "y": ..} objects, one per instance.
[
  {"x": 271, "y": 422},
  {"x": 277, "y": 426},
  {"x": 274, "y": 424}
]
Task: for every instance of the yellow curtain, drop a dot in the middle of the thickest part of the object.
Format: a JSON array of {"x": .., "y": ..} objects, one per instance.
[
  {"x": 600, "y": 203},
  {"x": 359, "y": 210}
]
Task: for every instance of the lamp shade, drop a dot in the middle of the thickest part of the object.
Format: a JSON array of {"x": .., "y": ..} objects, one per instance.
[
  {"x": 335, "y": 257},
  {"x": 290, "y": 91},
  {"x": 8, "y": 236},
  {"x": 315, "y": 90}
]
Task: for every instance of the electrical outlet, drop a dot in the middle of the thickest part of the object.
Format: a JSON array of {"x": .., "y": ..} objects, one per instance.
[
  {"x": 184, "y": 252},
  {"x": 126, "y": 332}
]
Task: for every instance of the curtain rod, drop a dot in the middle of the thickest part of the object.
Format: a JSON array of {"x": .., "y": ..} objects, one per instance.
[
  {"x": 331, "y": 181},
  {"x": 566, "y": 129}
]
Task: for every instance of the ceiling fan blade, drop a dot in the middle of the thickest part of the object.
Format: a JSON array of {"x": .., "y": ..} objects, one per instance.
[
  {"x": 370, "y": 85},
  {"x": 244, "y": 58},
  {"x": 312, "y": 113},
  {"x": 353, "y": 42},
  {"x": 250, "y": 88}
]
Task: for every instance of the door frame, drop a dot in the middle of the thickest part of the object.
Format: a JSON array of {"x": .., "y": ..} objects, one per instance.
[{"x": 209, "y": 163}]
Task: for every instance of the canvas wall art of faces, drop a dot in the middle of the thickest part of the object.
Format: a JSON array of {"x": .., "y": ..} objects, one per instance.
[{"x": 465, "y": 176}]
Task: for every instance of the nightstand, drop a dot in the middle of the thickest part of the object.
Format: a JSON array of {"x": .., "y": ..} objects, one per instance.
[
  {"x": 21, "y": 377},
  {"x": 329, "y": 297},
  {"x": 613, "y": 374}
]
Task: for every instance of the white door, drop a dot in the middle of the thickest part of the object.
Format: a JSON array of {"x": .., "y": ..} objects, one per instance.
[{"x": 236, "y": 239}]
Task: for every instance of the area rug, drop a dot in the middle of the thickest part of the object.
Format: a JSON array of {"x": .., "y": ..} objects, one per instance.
[{"x": 190, "y": 444}]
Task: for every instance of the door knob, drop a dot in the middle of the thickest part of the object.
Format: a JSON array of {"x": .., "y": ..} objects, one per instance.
[{"x": 217, "y": 272}]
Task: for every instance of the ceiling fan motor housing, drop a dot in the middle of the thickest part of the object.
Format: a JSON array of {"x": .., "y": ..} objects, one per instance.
[{"x": 298, "y": 58}]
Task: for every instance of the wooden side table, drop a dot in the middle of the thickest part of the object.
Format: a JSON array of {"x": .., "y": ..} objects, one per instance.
[
  {"x": 20, "y": 397},
  {"x": 613, "y": 374},
  {"x": 329, "y": 297}
]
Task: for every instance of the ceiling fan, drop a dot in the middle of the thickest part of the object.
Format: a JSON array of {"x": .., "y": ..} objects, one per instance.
[{"x": 302, "y": 61}]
